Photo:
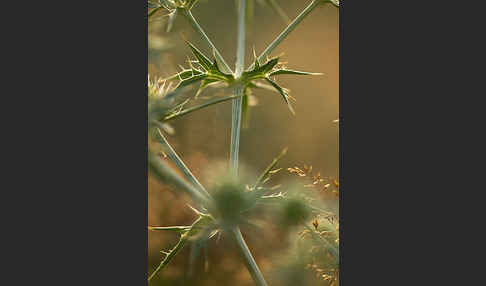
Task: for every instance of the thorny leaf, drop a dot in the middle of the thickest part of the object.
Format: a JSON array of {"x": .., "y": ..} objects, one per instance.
[
  {"x": 285, "y": 71},
  {"x": 207, "y": 75},
  {"x": 180, "y": 229},
  {"x": 284, "y": 94},
  {"x": 267, "y": 70},
  {"x": 188, "y": 233}
]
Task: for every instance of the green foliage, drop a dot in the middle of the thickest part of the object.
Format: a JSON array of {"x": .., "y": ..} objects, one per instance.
[{"x": 208, "y": 73}]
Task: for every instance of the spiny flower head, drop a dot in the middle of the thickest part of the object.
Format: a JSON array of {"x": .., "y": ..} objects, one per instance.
[{"x": 172, "y": 6}]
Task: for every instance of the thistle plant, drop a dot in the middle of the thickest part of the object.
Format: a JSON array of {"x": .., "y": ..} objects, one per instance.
[{"x": 222, "y": 208}]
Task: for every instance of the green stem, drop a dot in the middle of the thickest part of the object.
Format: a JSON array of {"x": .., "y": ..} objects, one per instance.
[
  {"x": 237, "y": 104},
  {"x": 180, "y": 164},
  {"x": 188, "y": 15},
  {"x": 235, "y": 141},
  {"x": 249, "y": 260},
  {"x": 191, "y": 109},
  {"x": 169, "y": 176},
  {"x": 236, "y": 130},
  {"x": 240, "y": 52},
  {"x": 287, "y": 31}
]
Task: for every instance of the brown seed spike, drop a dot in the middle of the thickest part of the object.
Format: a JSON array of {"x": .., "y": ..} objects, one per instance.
[{"x": 315, "y": 223}]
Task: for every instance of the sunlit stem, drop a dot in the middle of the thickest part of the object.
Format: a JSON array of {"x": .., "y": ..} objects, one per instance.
[
  {"x": 180, "y": 164},
  {"x": 235, "y": 142},
  {"x": 169, "y": 176},
  {"x": 237, "y": 103},
  {"x": 236, "y": 130}
]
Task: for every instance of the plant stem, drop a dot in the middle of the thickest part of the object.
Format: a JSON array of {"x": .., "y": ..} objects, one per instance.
[
  {"x": 287, "y": 31},
  {"x": 169, "y": 176},
  {"x": 203, "y": 105},
  {"x": 236, "y": 130},
  {"x": 240, "y": 52},
  {"x": 237, "y": 104},
  {"x": 180, "y": 164},
  {"x": 235, "y": 141},
  {"x": 249, "y": 260},
  {"x": 188, "y": 15}
]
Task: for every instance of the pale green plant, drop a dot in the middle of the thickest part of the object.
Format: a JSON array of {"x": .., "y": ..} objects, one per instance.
[{"x": 226, "y": 207}]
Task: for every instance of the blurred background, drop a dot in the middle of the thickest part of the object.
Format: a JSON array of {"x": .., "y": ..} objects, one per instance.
[{"x": 202, "y": 139}]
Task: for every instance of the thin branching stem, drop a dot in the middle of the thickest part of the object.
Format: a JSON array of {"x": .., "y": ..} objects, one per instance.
[
  {"x": 188, "y": 15},
  {"x": 287, "y": 31},
  {"x": 180, "y": 164},
  {"x": 249, "y": 260}
]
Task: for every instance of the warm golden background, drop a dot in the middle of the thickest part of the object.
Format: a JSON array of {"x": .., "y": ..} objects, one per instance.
[{"x": 203, "y": 138}]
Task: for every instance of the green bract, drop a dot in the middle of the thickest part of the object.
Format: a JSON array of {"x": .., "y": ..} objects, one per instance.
[
  {"x": 209, "y": 73},
  {"x": 266, "y": 71}
]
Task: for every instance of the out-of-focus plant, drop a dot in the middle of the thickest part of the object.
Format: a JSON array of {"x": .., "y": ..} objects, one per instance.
[{"x": 233, "y": 201}]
